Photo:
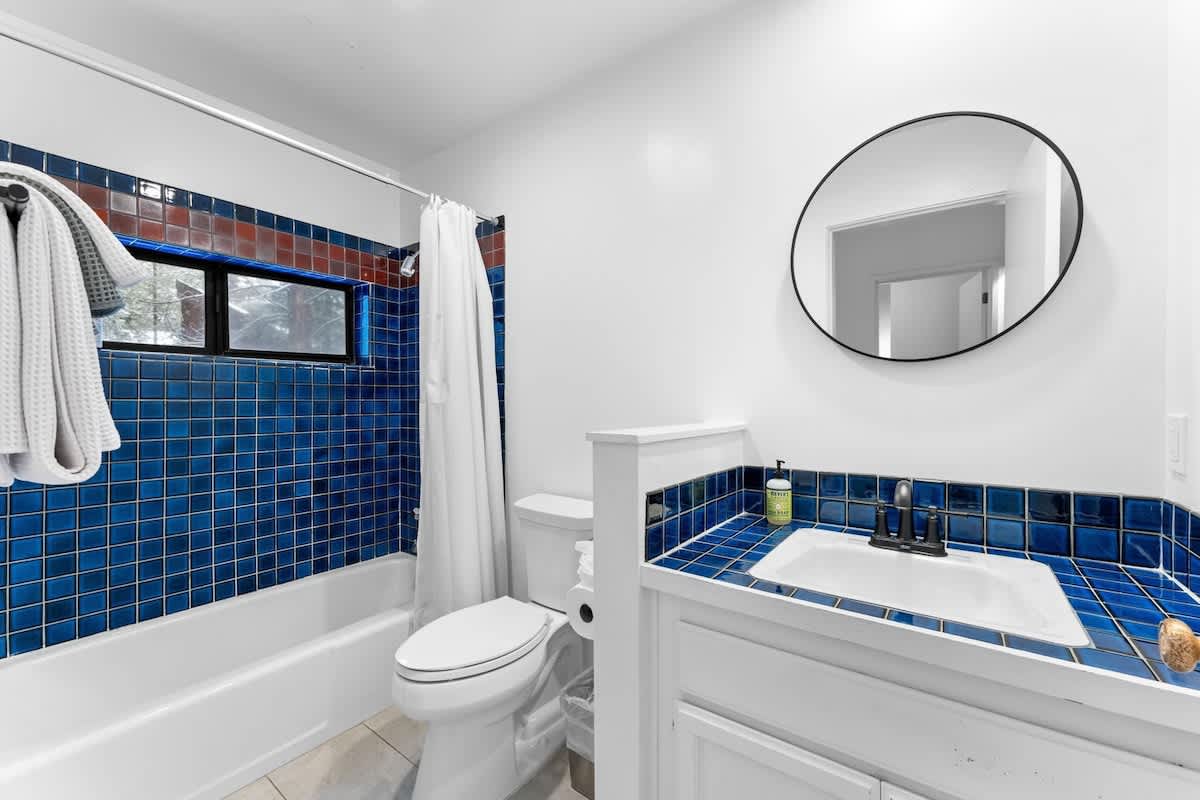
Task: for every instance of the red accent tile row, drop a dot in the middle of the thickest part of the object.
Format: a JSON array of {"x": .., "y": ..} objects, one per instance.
[{"x": 145, "y": 218}]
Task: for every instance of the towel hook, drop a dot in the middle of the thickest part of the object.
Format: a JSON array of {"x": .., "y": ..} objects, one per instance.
[{"x": 14, "y": 196}]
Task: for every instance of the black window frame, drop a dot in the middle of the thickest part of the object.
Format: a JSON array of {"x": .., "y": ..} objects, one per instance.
[{"x": 216, "y": 311}]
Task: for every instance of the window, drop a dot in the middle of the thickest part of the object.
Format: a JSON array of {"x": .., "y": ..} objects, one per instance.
[{"x": 192, "y": 306}]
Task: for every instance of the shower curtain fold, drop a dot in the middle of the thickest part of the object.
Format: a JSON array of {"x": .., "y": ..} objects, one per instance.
[{"x": 462, "y": 551}]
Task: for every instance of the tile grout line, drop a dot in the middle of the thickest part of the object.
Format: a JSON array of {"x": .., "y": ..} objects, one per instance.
[
  {"x": 389, "y": 744},
  {"x": 275, "y": 786}
]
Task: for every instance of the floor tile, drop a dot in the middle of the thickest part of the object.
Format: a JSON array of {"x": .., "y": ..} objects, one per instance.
[
  {"x": 402, "y": 733},
  {"x": 261, "y": 789},
  {"x": 553, "y": 782},
  {"x": 354, "y": 765}
]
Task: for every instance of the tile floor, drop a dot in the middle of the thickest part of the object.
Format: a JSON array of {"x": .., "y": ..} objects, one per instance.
[{"x": 376, "y": 760}]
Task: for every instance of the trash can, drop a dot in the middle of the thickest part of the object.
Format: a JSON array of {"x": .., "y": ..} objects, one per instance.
[{"x": 579, "y": 706}]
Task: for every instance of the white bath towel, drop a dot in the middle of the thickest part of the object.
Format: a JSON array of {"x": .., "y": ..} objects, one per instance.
[
  {"x": 12, "y": 436},
  {"x": 123, "y": 268},
  {"x": 67, "y": 424}
]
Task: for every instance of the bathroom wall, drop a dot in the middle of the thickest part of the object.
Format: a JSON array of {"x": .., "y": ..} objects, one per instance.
[
  {"x": 64, "y": 108},
  {"x": 651, "y": 211},
  {"x": 234, "y": 474},
  {"x": 211, "y": 497},
  {"x": 1183, "y": 321}
]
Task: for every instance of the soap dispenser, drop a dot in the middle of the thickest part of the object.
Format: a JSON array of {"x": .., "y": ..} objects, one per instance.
[{"x": 779, "y": 497}]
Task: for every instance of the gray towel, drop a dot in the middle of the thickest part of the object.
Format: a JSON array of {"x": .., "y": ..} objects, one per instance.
[{"x": 103, "y": 297}]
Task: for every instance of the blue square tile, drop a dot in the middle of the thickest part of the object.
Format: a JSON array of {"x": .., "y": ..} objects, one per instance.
[
  {"x": 1141, "y": 549},
  {"x": 671, "y": 501},
  {"x": 1143, "y": 514},
  {"x": 1041, "y": 648},
  {"x": 860, "y": 515},
  {"x": 1125, "y": 664},
  {"x": 1047, "y": 506},
  {"x": 1097, "y": 543},
  {"x": 929, "y": 493},
  {"x": 1005, "y": 502},
  {"x": 863, "y": 487},
  {"x": 804, "y": 482},
  {"x": 964, "y": 497},
  {"x": 1097, "y": 510},
  {"x": 752, "y": 478},
  {"x": 1113, "y": 642},
  {"x": 1050, "y": 538},
  {"x": 833, "y": 484},
  {"x": 832, "y": 512},
  {"x": 971, "y": 632},
  {"x": 859, "y": 607},
  {"x": 804, "y": 509},
  {"x": 1007, "y": 533},
  {"x": 966, "y": 529},
  {"x": 916, "y": 620}
]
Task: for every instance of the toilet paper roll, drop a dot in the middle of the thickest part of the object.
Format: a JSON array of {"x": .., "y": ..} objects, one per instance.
[{"x": 581, "y": 610}]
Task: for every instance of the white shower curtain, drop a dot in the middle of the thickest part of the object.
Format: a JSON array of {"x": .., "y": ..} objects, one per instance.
[{"x": 462, "y": 552}]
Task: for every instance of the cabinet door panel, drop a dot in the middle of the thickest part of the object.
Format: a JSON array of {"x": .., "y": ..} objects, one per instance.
[
  {"x": 891, "y": 792},
  {"x": 718, "y": 759}
]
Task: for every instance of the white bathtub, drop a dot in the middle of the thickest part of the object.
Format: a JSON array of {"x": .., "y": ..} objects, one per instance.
[{"x": 196, "y": 704}]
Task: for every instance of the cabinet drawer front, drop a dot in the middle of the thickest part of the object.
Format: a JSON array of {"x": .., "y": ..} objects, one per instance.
[
  {"x": 956, "y": 748},
  {"x": 719, "y": 759},
  {"x": 890, "y": 792}
]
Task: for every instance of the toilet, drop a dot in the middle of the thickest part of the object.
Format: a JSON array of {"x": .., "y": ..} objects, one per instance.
[{"x": 486, "y": 679}]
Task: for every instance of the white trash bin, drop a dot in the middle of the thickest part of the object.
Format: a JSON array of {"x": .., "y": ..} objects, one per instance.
[{"x": 579, "y": 705}]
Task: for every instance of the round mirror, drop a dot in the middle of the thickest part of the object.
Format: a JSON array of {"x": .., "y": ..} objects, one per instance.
[{"x": 936, "y": 236}]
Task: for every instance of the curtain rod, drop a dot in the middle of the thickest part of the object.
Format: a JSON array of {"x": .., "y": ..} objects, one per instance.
[{"x": 18, "y": 34}]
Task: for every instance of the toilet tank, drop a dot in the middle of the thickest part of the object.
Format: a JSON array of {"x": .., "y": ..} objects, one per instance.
[{"x": 550, "y": 527}]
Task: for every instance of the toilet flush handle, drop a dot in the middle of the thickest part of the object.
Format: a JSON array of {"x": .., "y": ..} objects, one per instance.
[{"x": 1179, "y": 647}]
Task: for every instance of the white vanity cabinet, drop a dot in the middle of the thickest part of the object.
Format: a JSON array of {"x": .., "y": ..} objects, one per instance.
[{"x": 745, "y": 710}]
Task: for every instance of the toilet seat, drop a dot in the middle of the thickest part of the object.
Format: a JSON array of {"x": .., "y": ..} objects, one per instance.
[{"x": 472, "y": 641}]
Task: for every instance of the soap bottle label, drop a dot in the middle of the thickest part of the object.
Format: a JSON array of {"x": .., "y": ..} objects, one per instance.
[{"x": 779, "y": 506}]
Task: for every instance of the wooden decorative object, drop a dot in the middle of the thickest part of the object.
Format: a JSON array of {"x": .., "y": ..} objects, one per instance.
[{"x": 1179, "y": 647}]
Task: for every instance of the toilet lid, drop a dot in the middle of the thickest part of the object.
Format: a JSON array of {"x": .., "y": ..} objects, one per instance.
[{"x": 472, "y": 641}]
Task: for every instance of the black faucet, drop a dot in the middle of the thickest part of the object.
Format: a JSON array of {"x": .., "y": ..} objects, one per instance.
[{"x": 904, "y": 540}]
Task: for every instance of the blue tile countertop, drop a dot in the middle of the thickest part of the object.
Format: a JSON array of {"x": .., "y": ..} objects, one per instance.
[{"x": 1120, "y": 606}]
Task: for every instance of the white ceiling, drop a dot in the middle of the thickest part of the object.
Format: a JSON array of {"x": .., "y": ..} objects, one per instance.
[{"x": 392, "y": 80}]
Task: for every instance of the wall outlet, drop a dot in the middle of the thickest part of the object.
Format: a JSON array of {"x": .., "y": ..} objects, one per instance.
[{"x": 1177, "y": 444}]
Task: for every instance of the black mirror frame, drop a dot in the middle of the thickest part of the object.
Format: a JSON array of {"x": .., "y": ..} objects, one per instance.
[{"x": 1062, "y": 273}]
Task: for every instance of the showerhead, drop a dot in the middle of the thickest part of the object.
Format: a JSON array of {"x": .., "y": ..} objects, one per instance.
[{"x": 409, "y": 267}]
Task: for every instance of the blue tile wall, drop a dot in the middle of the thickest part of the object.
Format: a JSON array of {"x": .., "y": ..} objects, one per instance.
[
  {"x": 1134, "y": 531},
  {"x": 234, "y": 474},
  {"x": 676, "y": 514}
]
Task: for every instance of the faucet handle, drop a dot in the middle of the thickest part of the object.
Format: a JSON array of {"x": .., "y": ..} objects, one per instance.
[
  {"x": 933, "y": 528},
  {"x": 881, "y": 523}
]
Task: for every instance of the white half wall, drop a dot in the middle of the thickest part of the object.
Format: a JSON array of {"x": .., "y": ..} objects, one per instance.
[
  {"x": 650, "y": 215},
  {"x": 54, "y": 105}
]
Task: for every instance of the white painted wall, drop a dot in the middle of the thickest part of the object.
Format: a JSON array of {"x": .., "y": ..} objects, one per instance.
[
  {"x": 650, "y": 219},
  {"x": 1183, "y": 248},
  {"x": 54, "y": 105}
]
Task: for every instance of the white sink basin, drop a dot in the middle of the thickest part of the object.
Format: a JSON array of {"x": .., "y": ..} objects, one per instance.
[{"x": 1012, "y": 595}]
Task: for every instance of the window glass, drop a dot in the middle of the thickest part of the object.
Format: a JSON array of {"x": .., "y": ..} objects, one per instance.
[
  {"x": 166, "y": 309},
  {"x": 277, "y": 316}
]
